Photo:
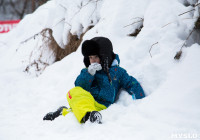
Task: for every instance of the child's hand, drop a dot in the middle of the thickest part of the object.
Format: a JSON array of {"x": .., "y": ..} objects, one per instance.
[{"x": 93, "y": 68}]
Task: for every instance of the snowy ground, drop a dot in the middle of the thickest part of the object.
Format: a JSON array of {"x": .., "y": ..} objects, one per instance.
[{"x": 171, "y": 108}]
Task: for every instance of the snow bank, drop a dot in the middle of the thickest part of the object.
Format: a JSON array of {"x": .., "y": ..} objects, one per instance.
[{"x": 171, "y": 109}]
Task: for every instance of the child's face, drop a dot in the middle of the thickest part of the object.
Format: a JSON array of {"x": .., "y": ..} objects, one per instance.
[{"x": 94, "y": 59}]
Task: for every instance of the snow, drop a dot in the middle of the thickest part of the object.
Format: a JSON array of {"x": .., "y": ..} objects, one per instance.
[{"x": 171, "y": 108}]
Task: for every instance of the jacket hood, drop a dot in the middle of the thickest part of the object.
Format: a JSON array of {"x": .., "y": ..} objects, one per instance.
[{"x": 116, "y": 61}]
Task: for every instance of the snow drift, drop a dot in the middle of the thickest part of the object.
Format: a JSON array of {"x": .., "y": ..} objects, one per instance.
[{"x": 171, "y": 108}]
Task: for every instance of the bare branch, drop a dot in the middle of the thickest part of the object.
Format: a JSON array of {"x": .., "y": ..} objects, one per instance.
[
  {"x": 81, "y": 8},
  {"x": 94, "y": 8},
  {"x": 58, "y": 22},
  {"x": 63, "y": 6},
  {"x": 175, "y": 21},
  {"x": 13, "y": 5},
  {"x": 138, "y": 17},
  {"x": 168, "y": 24},
  {"x": 187, "y": 38},
  {"x": 179, "y": 53},
  {"x": 134, "y": 23},
  {"x": 197, "y": 4},
  {"x": 33, "y": 36},
  {"x": 23, "y": 10},
  {"x": 42, "y": 31},
  {"x": 84, "y": 6},
  {"x": 151, "y": 48},
  {"x": 186, "y": 12},
  {"x": 33, "y": 5},
  {"x": 189, "y": 10}
]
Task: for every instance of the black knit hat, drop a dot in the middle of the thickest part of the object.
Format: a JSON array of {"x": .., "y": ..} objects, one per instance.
[{"x": 90, "y": 47}]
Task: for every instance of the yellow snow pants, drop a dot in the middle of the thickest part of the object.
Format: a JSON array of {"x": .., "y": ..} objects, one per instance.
[{"x": 81, "y": 102}]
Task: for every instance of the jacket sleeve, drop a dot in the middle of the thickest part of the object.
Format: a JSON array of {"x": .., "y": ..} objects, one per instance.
[
  {"x": 84, "y": 80},
  {"x": 131, "y": 85}
]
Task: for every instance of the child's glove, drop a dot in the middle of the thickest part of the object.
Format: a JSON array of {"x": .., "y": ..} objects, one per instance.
[{"x": 93, "y": 68}]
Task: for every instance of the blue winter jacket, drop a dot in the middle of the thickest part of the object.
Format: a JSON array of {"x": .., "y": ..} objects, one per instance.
[{"x": 105, "y": 92}]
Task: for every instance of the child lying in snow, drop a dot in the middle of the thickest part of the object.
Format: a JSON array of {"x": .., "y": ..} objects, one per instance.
[{"x": 98, "y": 85}]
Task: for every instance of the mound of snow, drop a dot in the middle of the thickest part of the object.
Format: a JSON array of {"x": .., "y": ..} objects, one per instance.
[{"x": 171, "y": 108}]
